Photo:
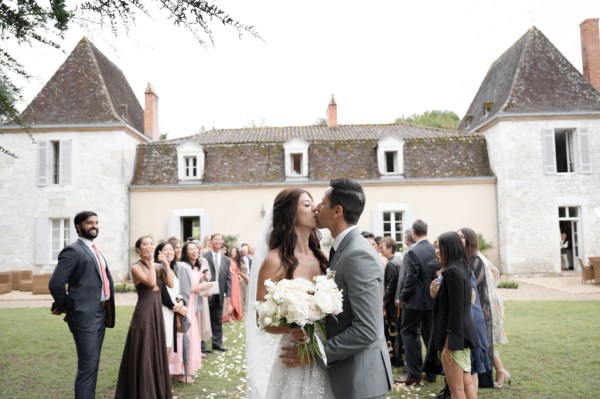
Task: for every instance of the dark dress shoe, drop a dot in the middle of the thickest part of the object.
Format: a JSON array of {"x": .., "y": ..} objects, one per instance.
[
  {"x": 407, "y": 381},
  {"x": 206, "y": 350},
  {"x": 220, "y": 348},
  {"x": 429, "y": 377},
  {"x": 444, "y": 393}
]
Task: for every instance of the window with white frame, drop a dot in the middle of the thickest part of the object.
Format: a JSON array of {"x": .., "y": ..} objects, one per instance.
[
  {"x": 296, "y": 159},
  {"x": 191, "y": 166},
  {"x": 61, "y": 236},
  {"x": 392, "y": 219},
  {"x": 390, "y": 157},
  {"x": 393, "y": 226},
  {"x": 566, "y": 151},
  {"x": 190, "y": 162},
  {"x": 54, "y": 162}
]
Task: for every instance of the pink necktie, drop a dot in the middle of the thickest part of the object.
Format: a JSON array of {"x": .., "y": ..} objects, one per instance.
[{"x": 105, "y": 286}]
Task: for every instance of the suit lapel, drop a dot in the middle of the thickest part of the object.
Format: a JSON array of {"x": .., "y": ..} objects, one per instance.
[{"x": 342, "y": 247}]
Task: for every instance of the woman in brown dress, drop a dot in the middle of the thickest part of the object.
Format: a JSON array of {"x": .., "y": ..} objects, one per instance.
[{"x": 144, "y": 371}]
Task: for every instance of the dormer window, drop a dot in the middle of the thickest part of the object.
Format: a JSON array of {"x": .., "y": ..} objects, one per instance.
[
  {"x": 296, "y": 159},
  {"x": 123, "y": 111},
  {"x": 191, "y": 166},
  {"x": 190, "y": 162},
  {"x": 390, "y": 157}
]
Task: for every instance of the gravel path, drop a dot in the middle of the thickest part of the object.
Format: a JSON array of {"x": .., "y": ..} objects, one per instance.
[{"x": 565, "y": 288}]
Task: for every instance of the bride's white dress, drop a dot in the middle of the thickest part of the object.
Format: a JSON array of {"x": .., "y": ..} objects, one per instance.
[
  {"x": 303, "y": 382},
  {"x": 268, "y": 377}
]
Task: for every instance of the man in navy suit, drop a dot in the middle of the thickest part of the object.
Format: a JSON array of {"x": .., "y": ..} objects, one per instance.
[
  {"x": 416, "y": 303},
  {"x": 219, "y": 265},
  {"x": 82, "y": 287}
]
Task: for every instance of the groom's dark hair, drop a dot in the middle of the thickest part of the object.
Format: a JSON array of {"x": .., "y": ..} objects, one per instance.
[{"x": 348, "y": 194}]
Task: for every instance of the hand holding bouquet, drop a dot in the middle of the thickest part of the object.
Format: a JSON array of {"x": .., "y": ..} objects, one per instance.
[{"x": 301, "y": 303}]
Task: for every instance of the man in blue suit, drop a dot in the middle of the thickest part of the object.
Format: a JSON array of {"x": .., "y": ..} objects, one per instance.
[{"x": 82, "y": 287}]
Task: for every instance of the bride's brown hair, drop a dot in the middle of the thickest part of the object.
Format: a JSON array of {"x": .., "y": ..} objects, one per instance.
[{"x": 283, "y": 238}]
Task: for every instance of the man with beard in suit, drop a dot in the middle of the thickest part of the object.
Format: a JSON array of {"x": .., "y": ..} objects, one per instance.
[{"x": 89, "y": 301}]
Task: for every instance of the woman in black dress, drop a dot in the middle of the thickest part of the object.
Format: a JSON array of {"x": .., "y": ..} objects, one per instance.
[
  {"x": 144, "y": 371},
  {"x": 453, "y": 332}
]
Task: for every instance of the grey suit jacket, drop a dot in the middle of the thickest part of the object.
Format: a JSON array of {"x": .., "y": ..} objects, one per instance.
[
  {"x": 224, "y": 278},
  {"x": 357, "y": 358}
]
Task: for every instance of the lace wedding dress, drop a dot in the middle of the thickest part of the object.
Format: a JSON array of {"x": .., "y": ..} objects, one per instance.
[
  {"x": 306, "y": 382},
  {"x": 268, "y": 377}
]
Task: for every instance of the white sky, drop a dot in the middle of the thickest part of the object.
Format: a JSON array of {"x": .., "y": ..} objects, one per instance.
[{"x": 380, "y": 58}]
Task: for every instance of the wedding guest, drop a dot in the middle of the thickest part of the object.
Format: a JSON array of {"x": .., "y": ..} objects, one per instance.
[
  {"x": 144, "y": 371},
  {"x": 487, "y": 275},
  {"x": 416, "y": 304},
  {"x": 245, "y": 259},
  {"x": 244, "y": 274},
  {"x": 469, "y": 238},
  {"x": 164, "y": 254},
  {"x": 202, "y": 291},
  {"x": 453, "y": 333},
  {"x": 176, "y": 244},
  {"x": 390, "y": 282},
  {"x": 234, "y": 311},
  {"x": 89, "y": 303},
  {"x": 189, "y": 257},
  {"x": 220, "y": 270}
]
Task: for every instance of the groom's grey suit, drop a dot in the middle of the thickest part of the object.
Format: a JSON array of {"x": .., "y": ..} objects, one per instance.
[{"x": 357, "y": 358}]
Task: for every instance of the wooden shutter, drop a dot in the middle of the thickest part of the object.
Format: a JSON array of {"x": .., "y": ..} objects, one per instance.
[
  {"x": 42, "y": 171},
  {"x": 65, "y": 163},
  {"x": 549, "y": 151},
  {"x": 42, "y": 241},
  {"x": 584, "y": 155}
]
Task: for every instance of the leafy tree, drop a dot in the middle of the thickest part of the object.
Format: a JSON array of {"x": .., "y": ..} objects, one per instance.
[
  {"x": 436, "y": 118},
  {"x": 321, "y": 122},
  {"x": 32, "y": 21}
]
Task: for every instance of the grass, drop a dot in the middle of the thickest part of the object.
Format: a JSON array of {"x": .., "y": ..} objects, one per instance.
[
  {"x": 553, "y": 353},
  {"x": 511, "y": 284}
]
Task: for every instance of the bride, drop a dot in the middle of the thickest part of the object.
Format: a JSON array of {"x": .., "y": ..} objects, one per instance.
[{"x": 289, "y": 248}]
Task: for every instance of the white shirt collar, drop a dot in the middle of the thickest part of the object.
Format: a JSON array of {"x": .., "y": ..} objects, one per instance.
[
  {"x": 87, "y": 242},
  {"x": 340, "y": 237}
]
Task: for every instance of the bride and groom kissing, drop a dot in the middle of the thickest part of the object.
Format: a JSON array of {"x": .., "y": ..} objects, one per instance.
[{"x": 356, "y": 362}]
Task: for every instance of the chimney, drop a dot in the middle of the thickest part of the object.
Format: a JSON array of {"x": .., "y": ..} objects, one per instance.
[
  {"x": 332, "y": 113},
  {"x": 151, "y": 113},
  {"x": 590, "y": 51}
]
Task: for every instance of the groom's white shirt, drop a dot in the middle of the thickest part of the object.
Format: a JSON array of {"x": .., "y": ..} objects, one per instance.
[{"x": 337, "y": 241}]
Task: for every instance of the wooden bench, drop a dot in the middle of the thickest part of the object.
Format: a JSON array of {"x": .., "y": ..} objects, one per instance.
[
  {"x": 26, "y": 280},
  {"x": 15, "y": 277},
  {"x": 40, "y": 283},
  {"x": 5, "y": 282}
]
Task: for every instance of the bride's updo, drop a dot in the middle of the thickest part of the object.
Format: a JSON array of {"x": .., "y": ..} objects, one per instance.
[{"x": 283, "y": 238}]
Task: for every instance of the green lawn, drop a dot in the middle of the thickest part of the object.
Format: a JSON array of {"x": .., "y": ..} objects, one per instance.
[{"x": 554, "y": 352}]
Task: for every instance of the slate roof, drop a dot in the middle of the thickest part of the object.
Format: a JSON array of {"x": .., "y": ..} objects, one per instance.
[
  {"x": 256, "y": 155},
  {"x": 314, "y": 134},
  {"x": 87, "y": 89},
  {"x": 532, "y": 76}
]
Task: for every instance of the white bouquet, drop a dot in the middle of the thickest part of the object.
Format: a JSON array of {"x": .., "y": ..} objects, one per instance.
[{"x": 301, "y": 303}]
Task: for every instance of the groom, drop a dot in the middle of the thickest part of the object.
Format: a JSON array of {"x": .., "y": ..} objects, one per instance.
[{"x": 357, "y": 357}]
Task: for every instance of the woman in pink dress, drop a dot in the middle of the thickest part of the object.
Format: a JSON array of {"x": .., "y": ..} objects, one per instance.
[
  {"x": 234, "y": 313},
  {"x": 188, "y": 289}
]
